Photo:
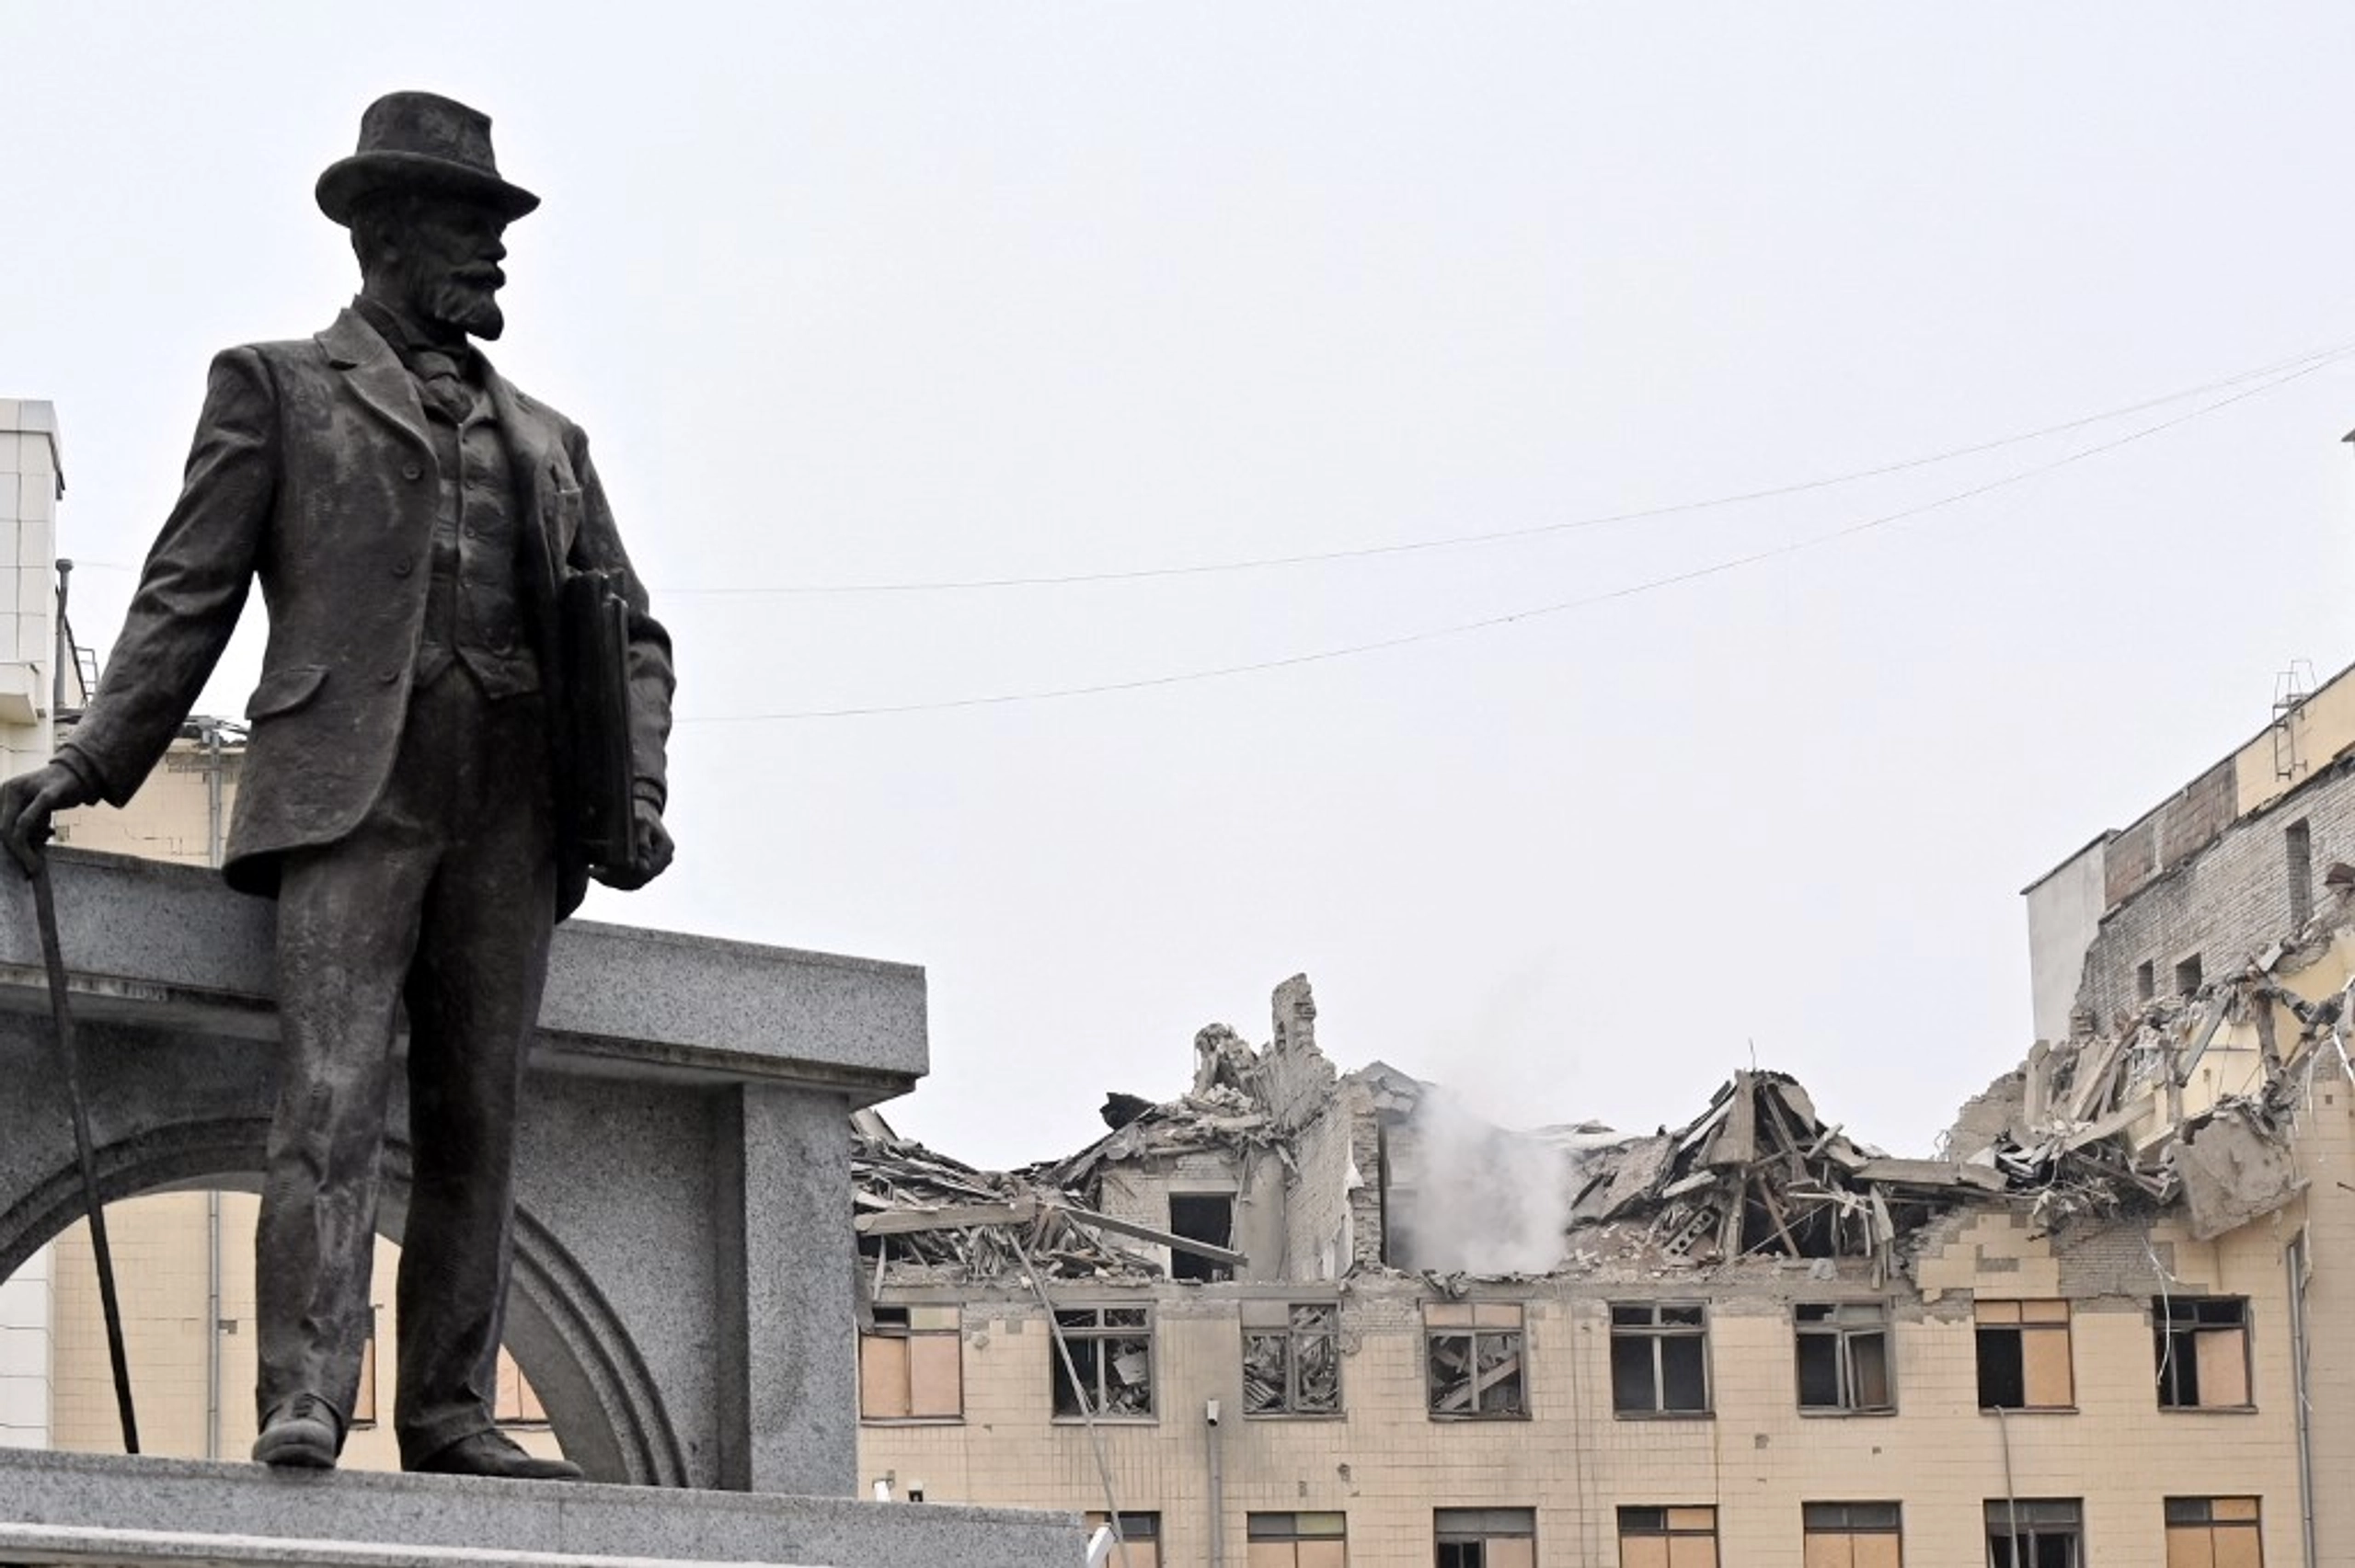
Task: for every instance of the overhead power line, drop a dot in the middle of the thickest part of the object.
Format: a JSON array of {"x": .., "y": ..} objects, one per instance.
[
  {"x": 2313, "y": 359},
  {"x": 2305, "y": 366}
]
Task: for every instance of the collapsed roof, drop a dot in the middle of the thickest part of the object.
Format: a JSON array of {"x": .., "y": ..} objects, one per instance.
[{"x": 2189, "y": 1101}]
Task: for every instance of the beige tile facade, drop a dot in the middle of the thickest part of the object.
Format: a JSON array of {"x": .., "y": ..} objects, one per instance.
[
  {"x": 31, "y": 480},
  {"x": 1387, "y": 1465}
]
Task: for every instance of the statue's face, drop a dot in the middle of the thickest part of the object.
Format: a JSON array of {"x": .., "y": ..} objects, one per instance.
[{"x": 449, "y": 266}]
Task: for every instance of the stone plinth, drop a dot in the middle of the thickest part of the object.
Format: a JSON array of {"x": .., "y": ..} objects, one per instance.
[
  {"x": 684, "y": 1282},
  {"x": 92, "y": 1510}
]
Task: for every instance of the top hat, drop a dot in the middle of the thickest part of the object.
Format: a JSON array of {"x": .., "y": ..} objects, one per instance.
[{"x": 420, "y": 139}]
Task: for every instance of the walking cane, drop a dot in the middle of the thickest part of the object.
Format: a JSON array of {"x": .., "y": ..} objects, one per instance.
[{"x": 53, "y": 959}]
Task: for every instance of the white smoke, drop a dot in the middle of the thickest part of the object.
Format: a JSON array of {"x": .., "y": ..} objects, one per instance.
[{"x": 1469, "y": 1196}]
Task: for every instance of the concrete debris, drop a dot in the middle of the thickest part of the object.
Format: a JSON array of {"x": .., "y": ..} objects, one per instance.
[
  {"x": 921, "y": 1210},
  {"x": 1272, "y": 1167},
  {"x": 2189, "y": 1098},
  {"x": 2234, "y": 1167},
  {"x": 1759, "y": 1174}
]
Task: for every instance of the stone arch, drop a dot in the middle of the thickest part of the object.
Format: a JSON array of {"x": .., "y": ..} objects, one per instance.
[{"x": 602, "y": 1400}]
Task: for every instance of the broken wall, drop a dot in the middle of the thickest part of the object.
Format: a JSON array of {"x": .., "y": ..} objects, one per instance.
[
  {"x": 1294, "y": 1079},
  {"x": 1333, "y": 1219},
  {"x": 2226, "y": 904}
]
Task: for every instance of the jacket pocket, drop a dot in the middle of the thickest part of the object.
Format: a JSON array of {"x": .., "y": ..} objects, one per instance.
[
  {"x": 565, "y": 510},
  {"x": 283, "y": 690}
]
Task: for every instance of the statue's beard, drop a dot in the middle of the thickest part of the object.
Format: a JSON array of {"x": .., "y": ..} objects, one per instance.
[{"x": 464, "y": 301}]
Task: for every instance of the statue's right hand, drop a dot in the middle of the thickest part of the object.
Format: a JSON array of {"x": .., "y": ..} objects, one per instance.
[{"x": 27, "y": 803}]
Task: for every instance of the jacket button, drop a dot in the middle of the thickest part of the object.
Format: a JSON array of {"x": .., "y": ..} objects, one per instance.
[
  {"x": 389, "y": 676},
  {"x": 400, "y": 568},
  {"x": 412, "y": 471}
]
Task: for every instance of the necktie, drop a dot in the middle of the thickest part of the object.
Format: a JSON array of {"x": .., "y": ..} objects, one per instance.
[{"x": 437, "y": 376}]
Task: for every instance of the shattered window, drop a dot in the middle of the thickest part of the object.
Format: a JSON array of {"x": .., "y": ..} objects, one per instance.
[
  {"x": 1140, "y": 1540},
  {"x": 1844, "y": 1356},
  {"x": 2202, "y": 1346},
  {"x": 1659, "y": 1359},
  {"x": 1852, "y": 1534},
  {"x": 1291, "y": 1359},
  {"x": 2023, "y": 1357},
  {"x": 1208, "y": 1217},
  {"x": 1668, "y": 1538},
  {"x": 2035, "y": 1532},
  {"x": 2219, "y": 1530},
  {"x": 912, "y": 1364},
  {"x": 1296, "y": 1540},
  {"x": 1110, "y": 1356},
  {"x": 1472, "y": 1353},
  {"x": 1485, "y": 1537}
]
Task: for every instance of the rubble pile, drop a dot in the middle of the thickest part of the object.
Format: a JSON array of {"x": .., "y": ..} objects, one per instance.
[
  {"x": 916, "y": 1207},
  {"x": 1757, "y": 1174},
  {"x": 2189, "y": 1098},
  {"x": 1223, "y": 1114}
]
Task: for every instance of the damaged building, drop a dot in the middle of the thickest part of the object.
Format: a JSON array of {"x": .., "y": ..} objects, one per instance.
[{"x": 1297, "y": 1317}]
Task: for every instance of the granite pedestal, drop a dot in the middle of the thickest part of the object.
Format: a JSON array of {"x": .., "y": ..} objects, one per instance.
[
  {"x": 86, "y": 1509},
  {"x": 683, "y": 1283}
]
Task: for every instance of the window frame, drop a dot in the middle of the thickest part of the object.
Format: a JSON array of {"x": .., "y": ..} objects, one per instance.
[
  {"x": 1139, "y": 1537},
  {"x": 1279, "y": 1321},
  {"x": 1634, "y": 1523},
  {"x": 899, "y": 1321},
  {"x": 1185, "y": 1265},
  {"x": 1656, "y": 1332},
  {"x": 1262, "y": 1528},
  {"x": 1475, "y": 1322},
  {"x": 2245, "y": 1517},
  {"x": 1478, "y": 1527},
  {"x": 2026, "y": 1525},
  {"x": 1095, "y": 1336},
  {"x": 1844, "y": 1324},
  {"x": 2176, "y": 1328},
  {"x": 1839, "y": 1520},
  {"x": 1988, "y": 1318}
]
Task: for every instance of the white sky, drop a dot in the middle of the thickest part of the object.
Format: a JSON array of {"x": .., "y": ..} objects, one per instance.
[{"x": 880, "y": 294}]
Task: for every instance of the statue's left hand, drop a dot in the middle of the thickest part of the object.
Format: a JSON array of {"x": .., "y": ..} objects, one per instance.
[{"x": 654, "y": 859}]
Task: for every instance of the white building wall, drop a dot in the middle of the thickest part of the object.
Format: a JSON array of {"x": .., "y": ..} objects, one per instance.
[
  {"x": 2064, "y": 910},
  {"x": 31, "y": 480}
]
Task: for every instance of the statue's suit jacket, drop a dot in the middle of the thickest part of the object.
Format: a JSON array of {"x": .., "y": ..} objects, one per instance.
[{"x": 314, "y": 472}]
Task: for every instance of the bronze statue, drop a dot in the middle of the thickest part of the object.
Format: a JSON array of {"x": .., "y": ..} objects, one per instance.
[{"x": 410, "y": 794}]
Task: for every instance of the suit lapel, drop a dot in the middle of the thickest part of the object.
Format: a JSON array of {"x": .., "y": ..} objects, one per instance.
[
  {"x": 374, "y": 375},
  {"x": 533, "y": 457}
]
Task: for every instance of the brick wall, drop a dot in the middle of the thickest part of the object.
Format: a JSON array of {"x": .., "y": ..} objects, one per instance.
[{"x": 2226, "y": 904}]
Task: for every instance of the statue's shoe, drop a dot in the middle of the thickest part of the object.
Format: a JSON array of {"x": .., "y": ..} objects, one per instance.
[
  {"x": 300, "y": 1435},
  {"x": 495, "y": 1453}
]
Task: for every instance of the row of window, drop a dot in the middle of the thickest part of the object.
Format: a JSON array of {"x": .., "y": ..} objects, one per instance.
[
  {"x": 2024, "y": 1532},
  {"x": 910, "y": 1367}
]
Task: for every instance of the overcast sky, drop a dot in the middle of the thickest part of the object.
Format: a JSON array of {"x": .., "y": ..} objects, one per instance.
[{"x": 922, "y": 293}]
